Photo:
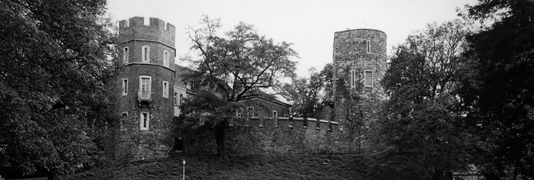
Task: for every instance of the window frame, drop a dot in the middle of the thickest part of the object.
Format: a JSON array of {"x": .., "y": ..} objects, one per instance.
[
  {"x": 166, "y": 58},
  {"x": 175, "y": 98},
  {"x": 124, "y": 86},
  {"x": 251, "y": 112},
  {"x": 353, "y": 78},
  {"x": 365, "y": 78},
  {"x": 124, "y": 115},
  {"x": 126, "y": 54},
  {"x": 141, "y": 83},
  {"x": 165, "y": 87},
  {"x": 368, "y": 46},
  {"x": 142, "y": 125},
  {"x": 145, "y": 55}
]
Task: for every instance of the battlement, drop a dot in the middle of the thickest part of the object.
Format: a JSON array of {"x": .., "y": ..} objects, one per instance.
[
  {"x": 147, "y": 29},
  {"x": 140, "y": 21}
]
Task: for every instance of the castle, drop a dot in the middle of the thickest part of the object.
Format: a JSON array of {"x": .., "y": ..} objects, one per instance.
[{"x": 152, "y": 92}]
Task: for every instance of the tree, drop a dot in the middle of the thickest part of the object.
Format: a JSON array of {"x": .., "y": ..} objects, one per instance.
[
  {"x": 420, "y": 121},
  {"x": 229, "y": 70},
  {"x": 499, "y": 91},
  {"x": 305, "y": 94},
  {"x": 53, "y": 73}
]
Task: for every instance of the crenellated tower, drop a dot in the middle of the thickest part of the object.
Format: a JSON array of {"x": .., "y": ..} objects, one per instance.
[{"x": 147, "y": 88}]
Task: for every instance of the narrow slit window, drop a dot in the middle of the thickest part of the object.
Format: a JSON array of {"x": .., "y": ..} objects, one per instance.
[
  {"x": 352, "y": 79},
  {"x": 125, "y": 55},
  {"x": 165, "y": 89},
  {"x": 145, "y": 53},
  {"x": 368, "y": 46},
  {"x": 125, "y": 86},
  {"x": 166, "y": 58}
]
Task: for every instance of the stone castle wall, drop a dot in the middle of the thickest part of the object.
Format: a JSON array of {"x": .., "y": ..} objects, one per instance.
[{"x": 265, "y": 136}]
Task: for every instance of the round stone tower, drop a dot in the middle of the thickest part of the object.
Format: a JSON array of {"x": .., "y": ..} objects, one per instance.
[
  {"x": 147, "y": 81},
  {"x": 359, "y": 65}
]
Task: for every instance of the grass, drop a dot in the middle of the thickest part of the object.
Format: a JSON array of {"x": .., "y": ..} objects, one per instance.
[{"x": 236, "y": 167}]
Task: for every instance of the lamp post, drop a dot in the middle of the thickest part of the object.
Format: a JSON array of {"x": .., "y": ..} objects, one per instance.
[{"x": 183, "y": 173}]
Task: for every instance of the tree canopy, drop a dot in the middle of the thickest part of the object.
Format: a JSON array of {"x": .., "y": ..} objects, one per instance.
[
  {"x": 499, "y": 91},
  {"x": 231, "y": 69},
  {"x": 420, "y": 126},
  {"x": 55, "y": 64}
]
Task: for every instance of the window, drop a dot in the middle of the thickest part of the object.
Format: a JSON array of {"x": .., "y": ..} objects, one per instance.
[
  {"x": 368, "y": 79},
  {"x": 165, "y": 89},
  {"x": 126, "y": 23},
  {"x": 275, "y": 118},
  {"x": 368, "y": 46},
  {"x": 125, "y": 54},
  {"x": 145, "y": 85},
  {"x": 125, "y": 86},
  {"x": 181, "y": 96},
  {"x": 175, "y": 98},
  {"x": 144, "y": 122},
  {"x": 250, "y": 111},
  {"x": 353, "y": 78},
  {"x": 166, "y": 58},
  {"x": 145, "y": 53},
  {"x": 239, "y": 112},
  {"x": 124, "y": 116}
]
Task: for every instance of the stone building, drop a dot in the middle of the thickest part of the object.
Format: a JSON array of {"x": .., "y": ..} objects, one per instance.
[
  {"x": 150, "y": 94},
  {"x": 359, "y": 65}
]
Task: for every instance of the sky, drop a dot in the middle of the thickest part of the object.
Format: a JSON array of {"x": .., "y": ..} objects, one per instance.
[{"x": 308, "y": 24}]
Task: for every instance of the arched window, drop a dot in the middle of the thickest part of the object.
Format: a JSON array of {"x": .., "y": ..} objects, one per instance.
[
  {"x": 125, "y": 55},
  {"x": 145, "y": 53}
]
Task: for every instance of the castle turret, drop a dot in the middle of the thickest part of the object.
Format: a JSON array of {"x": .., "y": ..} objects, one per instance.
[
  {"x": 359, "y": 66},
  {"x": 148, "y": 78}
]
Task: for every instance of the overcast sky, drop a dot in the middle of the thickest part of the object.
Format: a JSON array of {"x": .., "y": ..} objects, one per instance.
[{"x": 308, "y": 24}]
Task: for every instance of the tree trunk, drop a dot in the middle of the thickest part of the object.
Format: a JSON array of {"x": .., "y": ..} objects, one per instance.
[{"x": 219, "y": 137}]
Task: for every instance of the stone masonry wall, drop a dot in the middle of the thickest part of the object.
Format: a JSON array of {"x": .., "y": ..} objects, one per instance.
[
  {"x": 358, "y": 50},
  {"x": 132, "y": 142}
]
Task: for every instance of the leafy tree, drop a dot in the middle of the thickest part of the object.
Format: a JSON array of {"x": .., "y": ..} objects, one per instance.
[
  {"x": 305, "y": 94},
  {"x": 420, "y": 120},
  {"x": 53, "y": 73},
  {"x": 231, "y": 69},
  {"x": 499, "y": 91}
]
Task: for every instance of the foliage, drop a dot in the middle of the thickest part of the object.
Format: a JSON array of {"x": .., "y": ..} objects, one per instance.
[
  {"x": 420, "y": 120},
  {"x": 52, "y": 83},
  {"x": 231, "y": 69},
  {"x": 499, "y": 91},
  {"x": 305, "y": 166},
  {"x": 305, "y": 93}
]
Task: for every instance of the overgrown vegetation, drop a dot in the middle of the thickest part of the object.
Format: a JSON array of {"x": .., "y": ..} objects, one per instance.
[
  {"x": 239, "y": 167},
  {"x": 54, "y": 70}
]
